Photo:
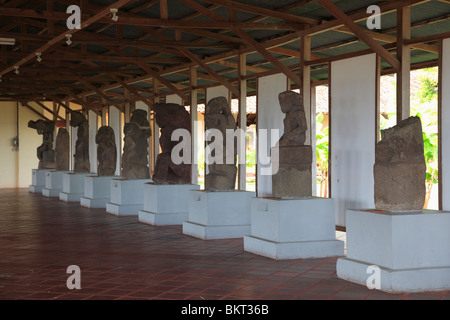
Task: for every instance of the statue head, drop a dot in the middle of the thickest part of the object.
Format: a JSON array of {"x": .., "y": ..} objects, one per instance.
[{"x": 290, "y": 101}]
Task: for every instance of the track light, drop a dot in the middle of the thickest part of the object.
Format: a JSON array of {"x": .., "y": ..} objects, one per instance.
[
  {"x": 68, "y": 41},
  {"x": 16, "y": 68},
  {"x": 38, "y": 54},
  {"x": 0, "y": 78},
  {"x": 114, "y": 16}
]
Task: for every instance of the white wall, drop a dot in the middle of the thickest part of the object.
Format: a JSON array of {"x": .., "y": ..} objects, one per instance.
[
  {"x": 352, "y": 113},
  {"x": 445, "y": 125},
  {"x": 269, "y": 117}
]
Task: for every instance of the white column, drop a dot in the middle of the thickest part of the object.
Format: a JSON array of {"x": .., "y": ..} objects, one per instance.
[
  {"x": 93, "y": 126},
  {"x": 115, "y": 122},
  {"x": 269, "y": 117},
  {"x": 444, "y": 91},
  {"x": 352, "y": 136},
  {"x": 219, "y": 91},
  {"x": 194, "y": 124}
]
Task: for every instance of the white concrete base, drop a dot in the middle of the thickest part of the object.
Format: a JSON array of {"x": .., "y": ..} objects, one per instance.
[
  {"x": 73, "y": 186},
  {"x": 127, "y": 197},
  {"x": 38, "y": 178},
  {"x": 53, "y": 183},
  {"x": 218, "y": 214},
  {"x": 97, "y": 191},
  {"x": 411, "y": 249},
  {"x": 293, "y": 229},
  {"x": 166, "y": 204}
]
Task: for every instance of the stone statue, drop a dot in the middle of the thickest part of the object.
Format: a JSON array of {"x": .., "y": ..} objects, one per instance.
[
  {"x": 45, "y": 152},
  {"x": 220, "y": 176},
  {"x": 291, "y": 157},
  {"x": 81, "y": 156},
  {"x": 400, "y": 168},
  {"x": 62, "y": 150},
  {"x": 135, "y": 150},
  {"x": 170, "y": 117},
  {"x": 106, "y": 151}
]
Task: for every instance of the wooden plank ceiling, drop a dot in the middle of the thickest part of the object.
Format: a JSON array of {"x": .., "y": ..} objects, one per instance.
[{"x": 152, "y": 48}]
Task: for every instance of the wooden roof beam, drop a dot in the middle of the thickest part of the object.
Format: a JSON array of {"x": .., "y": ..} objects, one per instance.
[{"x": 360, "y": 33}]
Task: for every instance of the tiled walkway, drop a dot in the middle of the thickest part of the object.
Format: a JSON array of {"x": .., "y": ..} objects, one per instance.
[{"x": 121, "y": 258}]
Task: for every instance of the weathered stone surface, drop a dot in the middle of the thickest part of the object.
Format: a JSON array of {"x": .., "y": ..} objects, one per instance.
[
  {"x": 291, "y": 159},
  {"x": 295, "y": 121},
  {"x": 221, "y": 176},
  {"x": 81, "y": 156},
  {"x": 62, "y": 150},
  {"x": 45, "y": 152},
  {"x": 135, "y": 150},
  {"x": 170, "y": 117},
  {"x": 106, "y": 151},
  {"x": 400, "y": 169}
]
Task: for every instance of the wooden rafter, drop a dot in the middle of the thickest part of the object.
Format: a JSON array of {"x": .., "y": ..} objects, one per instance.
[{"x": 360, "y": 33}]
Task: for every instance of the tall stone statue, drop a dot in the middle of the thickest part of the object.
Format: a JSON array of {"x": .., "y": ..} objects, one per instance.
[
  {"x": 45, "y": 152},
  {"x": 81, "y": 156},
  {"x": 400, "y": 168},
  {"x": 106, "y": 151},
  {"x": 220, "y": 176},
  {"x": 170, "y": 117},
  {"x": 135, "y": 150},
  {"x": 62, "y": 150},
  {"x": 291, "y": 157}
]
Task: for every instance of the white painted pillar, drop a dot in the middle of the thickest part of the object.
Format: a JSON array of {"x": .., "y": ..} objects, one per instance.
[
  {"x": 174, "y": 98},
  {"x": 269, "y": 116},
  {"x": 194, "y": 126},
  {"x": 352, "y": 135},
  {"x": 115, "y": 122},
  {"x": 444, "y": 91},
  {"x": 93, "y": 127}
]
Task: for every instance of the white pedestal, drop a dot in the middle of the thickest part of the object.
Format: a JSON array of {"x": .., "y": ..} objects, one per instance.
[
  {"x": 73, "y": 186},
  {"x": 38, "y": 178},
  {"x": 293, "y": 229},
  {"x": 97, "y": 191},
  {"x": 166, "y": 204},
  {"x": 218, "y": 214},
  {"x": 53, "y": 183},
  {"x": 127, "y": 197},
  {"x": 411, "y": 249}
]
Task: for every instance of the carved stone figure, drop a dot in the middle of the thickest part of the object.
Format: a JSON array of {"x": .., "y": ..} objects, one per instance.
[
  {"x": 106, "y": 151},
  {"x": 135, "y": 150},
  {"x": 400, "y": 169},
  {"x": 220, "y": 176},
  {"x": 290, "y": 157},
  {"x": 62, "y": 150},
  {"x": 170, "y": 117},
  {"x": 45, "y": 152},
  {"x": 81, "y": 156}
]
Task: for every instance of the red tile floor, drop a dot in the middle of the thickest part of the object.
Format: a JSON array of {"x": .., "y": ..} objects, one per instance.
[{"x": 121, "y": 258}]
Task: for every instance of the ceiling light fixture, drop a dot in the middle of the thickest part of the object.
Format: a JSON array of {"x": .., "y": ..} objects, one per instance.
[
  {"x": 17, "y": 69},
  {"x": 8, "y": 41},
  {"x": 68, "y": 41},
  {"x": 114, "y": 16},
  {"x": 38, "y": 54}
]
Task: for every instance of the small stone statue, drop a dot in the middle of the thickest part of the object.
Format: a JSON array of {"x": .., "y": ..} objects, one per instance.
[
  {"x": 135, "y": 150},
  {"x": 291, "y": 157},
  {"x": 62, "y": 150},
  {"x": 218, "y": 116},
  {"x": 45, "y": 152},
  {"x": 81, "y": 156},
  {"x": 106, "y": 151},
  {"x": 169, "y": 118},
  {"x": 400, "y": 168}
]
